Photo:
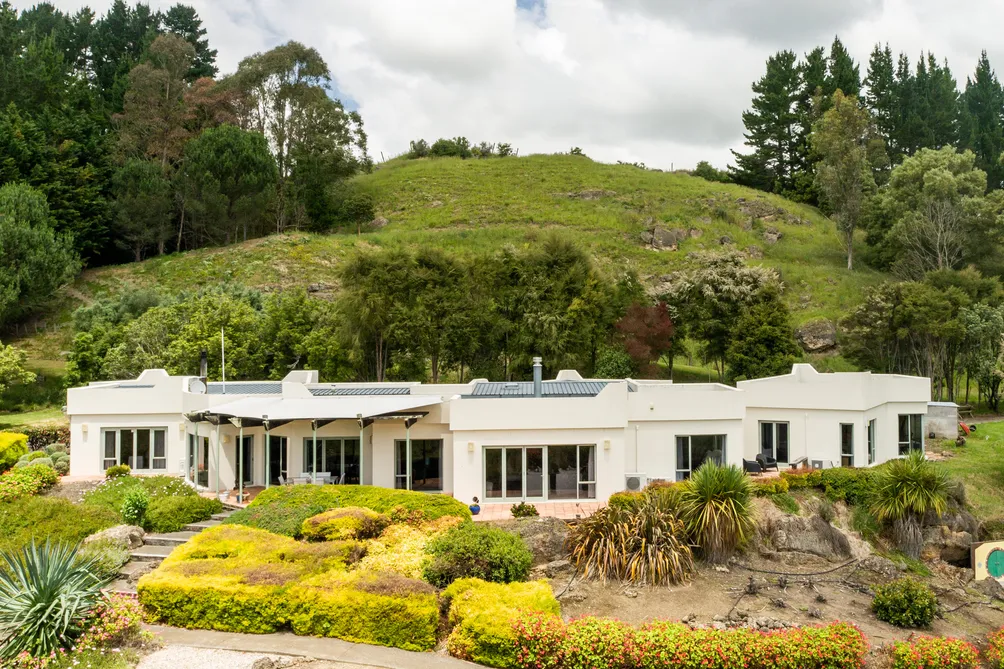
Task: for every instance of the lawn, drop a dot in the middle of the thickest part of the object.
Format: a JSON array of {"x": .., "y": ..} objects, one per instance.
[
  {"x": 980, "y": 465},
  {"x": 12, "y": 421}
]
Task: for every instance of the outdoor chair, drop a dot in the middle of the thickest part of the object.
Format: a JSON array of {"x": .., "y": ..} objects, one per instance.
[
  {"x": 752, "y": 467},
  {"x": 802, "y": 461},
  {"x": 340, "y": 480},
  {"x": 766, "y": 462},
  {"x": 324, "y": 477},
  {"x": 301, "y": 480}
]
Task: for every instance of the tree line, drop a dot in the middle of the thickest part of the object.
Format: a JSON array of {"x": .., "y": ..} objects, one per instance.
[{"x": 121, "y": 124}]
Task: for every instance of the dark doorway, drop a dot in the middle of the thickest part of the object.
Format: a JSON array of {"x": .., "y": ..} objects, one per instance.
[
  {"x": 247, "y": 454},
  {"x": 277, "y": 459}
]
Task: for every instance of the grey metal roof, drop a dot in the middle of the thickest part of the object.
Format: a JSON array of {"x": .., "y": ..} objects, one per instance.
[
  {"x": 548, "y": 389},
  {"x": 357, "y": 390},
  {"x": 246, "y": 388},
  {"x": 127, "y": 385}
]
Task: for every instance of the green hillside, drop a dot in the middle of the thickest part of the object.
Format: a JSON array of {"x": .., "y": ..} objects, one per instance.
[{"x": 478, "y": 205}]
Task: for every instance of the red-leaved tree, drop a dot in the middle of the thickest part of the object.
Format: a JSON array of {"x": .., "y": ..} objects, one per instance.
[{"x": 647, "y": 332}]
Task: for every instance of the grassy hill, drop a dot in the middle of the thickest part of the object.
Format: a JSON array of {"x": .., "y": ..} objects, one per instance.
[{"x": 479, "y": 205}]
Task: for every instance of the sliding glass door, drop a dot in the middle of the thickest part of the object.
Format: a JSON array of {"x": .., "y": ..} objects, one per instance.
[
  {"x": 693, "y": 451},
  {"x": 426, "y": 465},
  {"x": 540, "y": 472},
  {"x": 337, "y": 457}
]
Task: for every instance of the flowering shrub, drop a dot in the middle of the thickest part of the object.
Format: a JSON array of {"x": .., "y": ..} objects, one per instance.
[
  {"x": 116, "y": 471},
  {"x": 114, "y": 621},
  {"x": 994, "y": 653},
  {"x": 544, "y": 642},
  {"x": 905, "y": 603},
  {"x": 26, "y": 481},
  {"x": 925, "y": 652}
]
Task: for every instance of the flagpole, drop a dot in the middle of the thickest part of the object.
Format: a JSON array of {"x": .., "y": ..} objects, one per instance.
[{"x": 223, "y": 356}]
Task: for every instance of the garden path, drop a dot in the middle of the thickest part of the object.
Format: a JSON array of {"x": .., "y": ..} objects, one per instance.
[{"x": 284, "y": 643}]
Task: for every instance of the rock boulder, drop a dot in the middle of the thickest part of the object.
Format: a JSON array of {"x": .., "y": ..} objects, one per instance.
[
  {"x": 127, "y": 536},
  {"x": 817, "y": 336}
]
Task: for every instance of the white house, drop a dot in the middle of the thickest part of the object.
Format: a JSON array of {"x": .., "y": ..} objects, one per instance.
[{"x": 564, "y": 439}]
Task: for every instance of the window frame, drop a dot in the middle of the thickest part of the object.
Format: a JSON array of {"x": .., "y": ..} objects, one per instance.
[
  {"x": 408, "y": 476},
  {"x": 307, "y": 465},
  {"x": 914, "y": 433},
  {"x": 871, "y": 441},
  {"x": 152, "y": 457},
  {"x": 503, "y": 497},
  {"x": 846, "y": 459},
  {"x": 774, "y": 451},
  {"x": 690, "y": 452}
]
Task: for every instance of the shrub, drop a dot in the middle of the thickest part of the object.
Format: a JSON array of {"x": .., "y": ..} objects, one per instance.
[
  {"x": 826, "y": 511},
  {"x": 352, "y": 522},
  {"x": 626, "y": 501},
  {"x": 116, "y": 471},
  {"x": 46, "y": 595},
  {"x": 847, "y": 484},
  {"x": 40, "y": 436},
  {"x": 134, "y": 506},
  {"x": 241, "y": 579},
  {"x": 62, "y": 467},
  {"x": 111, "y": 493},
  {"x": 53, "y": 518},
  {"x": 477, "y": 550},
  {"x": 523, "y": 510},
  {"x": 171, "y": 514},
  {"x": 716, "y": 502},
  {"x": 786, "y": 503},
  {"x": 597, "y": 643},
  {"x": 925, "y": 652},
  {"x": 44, "y": 460},
  {"x": 13, "y": 445},
  {"x": 770, "y": 487},
  {"x": 26, "y": 481},
  {"x": 53, "y": 449},
  {"x": 802, "y": 479},
  {"x": 105, "y": 556},
  {"x": 646, "y": 544},
  {"x": 906, "y": 490},
  {"x": 401, "y": 548},
  {"x": 283, "y": 509},
  {"x": 482, "y": 617},
  {"x": 905, "y": 603},
  {"x": 994, "y": 653}
]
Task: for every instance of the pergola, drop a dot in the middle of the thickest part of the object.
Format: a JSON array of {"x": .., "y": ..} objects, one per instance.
[{"x": 272, "y": 412}]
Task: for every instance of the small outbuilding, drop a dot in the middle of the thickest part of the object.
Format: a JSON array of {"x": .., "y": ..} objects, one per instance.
[{"x": 942, "y": 420}]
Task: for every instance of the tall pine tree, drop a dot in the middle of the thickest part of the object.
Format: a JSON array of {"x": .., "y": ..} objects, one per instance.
[
  {"x": 842, "y": 73},
  {"x": 981, "y": 124},
  {"x": 772, "y": 128},
  {"x": 883, "y": 95}
]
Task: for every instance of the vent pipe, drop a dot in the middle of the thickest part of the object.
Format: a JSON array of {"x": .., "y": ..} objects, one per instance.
[
  {"x": 538, "y": 378},
  {"x": 203, "y": 366}
]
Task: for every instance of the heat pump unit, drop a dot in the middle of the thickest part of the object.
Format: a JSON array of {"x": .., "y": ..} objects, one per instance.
[{"x": 635, "y": 482}]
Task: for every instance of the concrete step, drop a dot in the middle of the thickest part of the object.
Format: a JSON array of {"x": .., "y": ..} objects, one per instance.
[
  {"x": 168, "y": 538},
  {"x": 204, "y": 525},
  {"x": 121, "y": 586},
  {"x": 133, "y": 570},
  {"x": 151, "y": 553},
  {"x": 222, "y": 516}
]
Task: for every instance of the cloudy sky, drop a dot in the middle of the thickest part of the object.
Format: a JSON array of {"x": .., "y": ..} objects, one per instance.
[{"x": 658, "y": 81}]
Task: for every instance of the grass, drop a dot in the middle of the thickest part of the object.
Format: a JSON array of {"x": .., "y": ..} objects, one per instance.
[
  {"x": 12, "y": 421},
  {"x": 980, "y": 466},
  {"x": 477, "y": 206}
]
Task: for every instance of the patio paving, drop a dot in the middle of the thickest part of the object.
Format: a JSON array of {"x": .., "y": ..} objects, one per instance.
[{"x": 563, "y": 510}]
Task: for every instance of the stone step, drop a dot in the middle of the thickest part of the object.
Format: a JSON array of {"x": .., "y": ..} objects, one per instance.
[
  {"x": 222, "y": 516},
  {"x": 133, "y": 569},
  {"x": 151, "y": 553},
  {"x": 121, "y": 586},
  {"x": 168, "y": 538},
  {"x": 204, "y": 525}
]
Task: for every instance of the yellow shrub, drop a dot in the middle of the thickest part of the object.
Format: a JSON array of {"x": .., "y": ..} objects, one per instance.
[
  {"x": 12, "y": 446},
  {"x": 351, "y": 522},
  {"x": 401, "y": 548},
  {"x": 481, "y": 615}
]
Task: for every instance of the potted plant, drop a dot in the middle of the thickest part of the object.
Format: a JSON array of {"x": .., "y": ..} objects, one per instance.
[{"x": 475, "y": 508}]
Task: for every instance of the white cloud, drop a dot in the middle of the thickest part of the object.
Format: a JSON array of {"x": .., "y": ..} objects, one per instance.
[{"x": 658, "y": 81}]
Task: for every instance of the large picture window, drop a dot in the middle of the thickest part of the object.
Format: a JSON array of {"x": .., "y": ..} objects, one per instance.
[
  {"x": 774, "y": 440},
  {"x": 846, "y": 445},
  {"x": 337, "y": 457},
  {"x": 426, "y": 465},
  {"x": 540, "y": 472},
  {"x": 871, "y": 441},
  {"x": 694, "y": 450},
  {"x": 142, "y": 448},
  {"x": 911, "y": 433}
]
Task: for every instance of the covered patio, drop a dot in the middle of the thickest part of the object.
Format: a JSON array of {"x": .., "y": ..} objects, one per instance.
[{"x": 344, "y": 460}]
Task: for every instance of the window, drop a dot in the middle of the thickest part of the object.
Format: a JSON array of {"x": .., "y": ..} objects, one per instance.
[
  {"x": 426, "y": 465},
  {"x": 142, "y": 448},
  {"x": 336, "y": 456},
  {"x": 774, "y": 440},
  {"x": 693, "y": 451},
  {"x": 846, "y": 445},
  {"x": 871, "y": 441},
  {"x": 911, "y": 433},
  {"x": 540, "y": 472}
]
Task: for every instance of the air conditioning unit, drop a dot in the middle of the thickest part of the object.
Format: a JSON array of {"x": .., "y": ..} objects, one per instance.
[{"x": 635, "y": 482}]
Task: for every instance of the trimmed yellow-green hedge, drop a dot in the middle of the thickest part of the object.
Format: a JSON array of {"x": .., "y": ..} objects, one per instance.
[
  {"x": 482, "y": 615},
  {"x": 12, "y": 446},
  {"x": 351, "y": 522},
  {"x": 241, "y": 579}
]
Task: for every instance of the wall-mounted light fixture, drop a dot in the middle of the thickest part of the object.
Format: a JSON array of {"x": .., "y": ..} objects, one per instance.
[
  {"x": 226, "y": 439},
  {"x": 83, "y": 430},
  {"x": 470, "y": 446},
  {"x": 606, "y": 444},
  {"x": 181, "y": 430}
]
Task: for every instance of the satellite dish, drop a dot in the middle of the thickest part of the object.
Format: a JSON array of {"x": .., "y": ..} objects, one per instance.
[{"x": 196, "y": 386}]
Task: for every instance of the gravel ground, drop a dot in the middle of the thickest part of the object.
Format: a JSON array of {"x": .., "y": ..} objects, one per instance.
[{"x": 183, "y": 657}]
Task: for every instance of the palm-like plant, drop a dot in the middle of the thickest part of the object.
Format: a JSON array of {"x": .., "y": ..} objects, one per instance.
[
  {"x": 46, "y": 592},
  {"x": 717, "y": 506},
  {"x": 905, "y": 490}
]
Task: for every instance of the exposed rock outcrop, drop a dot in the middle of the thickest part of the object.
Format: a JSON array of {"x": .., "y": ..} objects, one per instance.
[
  {"x": 127, "y": 536},
  {"x": 817, "y": 336}
]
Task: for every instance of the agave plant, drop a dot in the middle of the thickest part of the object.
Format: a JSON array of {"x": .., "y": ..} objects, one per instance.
[
  {"x": 644, "y": 542},
  {"x": 906, "y": 490},
  {"x": 717, "y": 506},
  {"x": 45, "y": 594}
]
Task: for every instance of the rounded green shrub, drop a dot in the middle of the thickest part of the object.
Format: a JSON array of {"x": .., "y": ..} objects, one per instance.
[
  {"x": 57, "y": 447},
  {"x": 477, "y": 550},
  {"x": 46, "y": 461},
  {"x": 13, "y": 446},
  {"x": 523, "y": 510},
  {"x": 171, "y": 514},
  {"x": 116, "y": 471},
  {"x": 106, "y": 557},
  {"x": 26, "y": 481},
  {"x": 905, "y": 602},
  {"x": 351, "y": 522},
  {"x": 34, "y": 455},
  {"x": 134, "y": 506},
  {"x": 62, "y": 466}
]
